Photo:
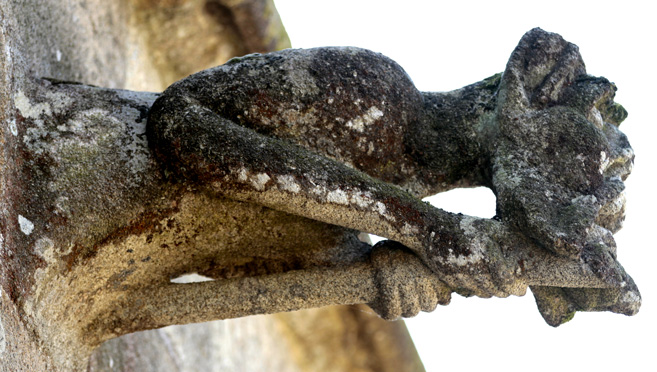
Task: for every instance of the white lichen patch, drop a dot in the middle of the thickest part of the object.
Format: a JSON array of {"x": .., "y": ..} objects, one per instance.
[
  {"x": 604, "y": 162},
  {"x": 13, "y": 128},
  {"x": 242, "y": 175},
  {"x": 288, "y": 183},
  {"x": 477, "y": 245},
  {"x": 259, "y": 181},
  {"x": 8, "y": 61},
  {"x": 319, "y": 191},
  {"x": 54, "y": 103},
  {"x": 631, "y": 297},
  {"x": 381, "y": 210},
  {"x": 361, "y": 199},
  {"x": 409, "y": 230},
  {"x": 26, "y": 225},
  {"x": 356, "y": 198},
  {"x": 337, "y": 196},
  {"x": 595, "y": 117},
  {"x": 59, "y": 102},
  {"x": 370, "y": 148},
  {"x": 29, "y": 110},
  {"x": 361, "y": 122}
]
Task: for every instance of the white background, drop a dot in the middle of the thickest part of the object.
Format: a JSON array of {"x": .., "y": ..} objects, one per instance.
[{"x": 446, "y": 45}]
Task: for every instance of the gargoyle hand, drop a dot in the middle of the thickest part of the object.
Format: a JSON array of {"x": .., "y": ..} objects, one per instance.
[{"x": 405, "y": 285}]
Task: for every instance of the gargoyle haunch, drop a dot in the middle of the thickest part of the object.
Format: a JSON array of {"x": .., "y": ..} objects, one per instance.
[{"x": 342, "y": 136}]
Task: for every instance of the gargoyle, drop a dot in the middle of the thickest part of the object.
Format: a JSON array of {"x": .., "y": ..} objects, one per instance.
[
  {"x": 261, "y": 174},
  {"x": 342, "y": 136}
]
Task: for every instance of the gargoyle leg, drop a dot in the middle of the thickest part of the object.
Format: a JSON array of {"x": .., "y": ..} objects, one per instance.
[{"x": 395, "y": 282}]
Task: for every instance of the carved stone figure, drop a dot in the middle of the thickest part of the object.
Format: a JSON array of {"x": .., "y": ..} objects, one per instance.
[
  {"x": 263, "y": 172},
  {"x": 325, "y": 134}
]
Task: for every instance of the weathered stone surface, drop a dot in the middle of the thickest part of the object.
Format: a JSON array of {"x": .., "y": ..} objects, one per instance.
[
  {"x": 334, "y": 142},
  {"x": 95, "y": 223}
]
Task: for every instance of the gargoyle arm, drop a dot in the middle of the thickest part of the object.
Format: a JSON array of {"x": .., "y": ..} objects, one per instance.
[{"x": 231, "y": 160}]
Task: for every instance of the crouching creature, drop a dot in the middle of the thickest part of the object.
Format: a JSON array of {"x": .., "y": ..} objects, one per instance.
[{"x": 342, "y": 136}]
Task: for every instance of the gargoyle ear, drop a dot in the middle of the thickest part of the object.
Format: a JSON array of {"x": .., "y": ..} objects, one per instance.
[{"x": 539, "y": 69}]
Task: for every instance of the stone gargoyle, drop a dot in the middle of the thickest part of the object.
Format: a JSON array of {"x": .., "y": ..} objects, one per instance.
[{"x": 261, "y": 174}]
